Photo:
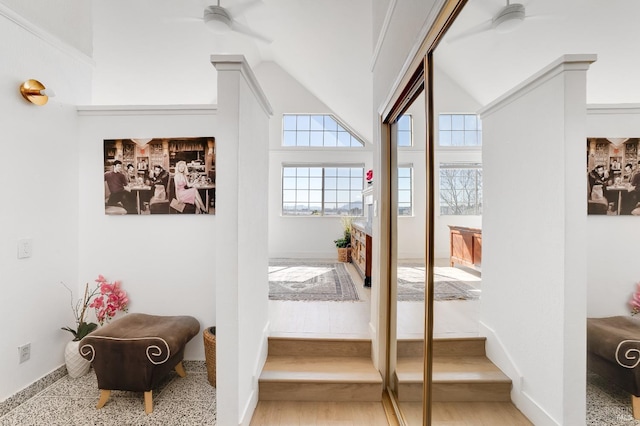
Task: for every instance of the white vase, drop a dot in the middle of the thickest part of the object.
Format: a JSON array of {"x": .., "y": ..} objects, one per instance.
[{"x": 76, "y": 365}]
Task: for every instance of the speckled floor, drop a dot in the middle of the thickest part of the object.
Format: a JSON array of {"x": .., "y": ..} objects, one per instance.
[
  {"x": 607, "y": 405},
  {"x": 177, "y": 401}
]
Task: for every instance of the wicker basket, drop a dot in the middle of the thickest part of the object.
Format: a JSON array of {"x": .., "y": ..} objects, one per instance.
[
  {"x": 209, "y": 336},
  {"x": 344, "y": 254}
]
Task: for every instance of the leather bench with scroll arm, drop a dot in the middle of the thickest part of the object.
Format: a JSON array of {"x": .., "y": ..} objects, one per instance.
[
  {"x": 136, "y": 352},
  {"x": 613, "y": 352}
]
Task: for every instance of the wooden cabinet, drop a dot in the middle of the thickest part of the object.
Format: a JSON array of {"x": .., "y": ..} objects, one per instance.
[
  {"x": 465, "y": 246},
  {"x": 361, "y": 252}
]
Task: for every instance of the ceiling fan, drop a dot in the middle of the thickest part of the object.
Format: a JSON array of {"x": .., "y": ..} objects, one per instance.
[
  {"x": 221, "y": 19},
  {"x": 507, "y": 19}
]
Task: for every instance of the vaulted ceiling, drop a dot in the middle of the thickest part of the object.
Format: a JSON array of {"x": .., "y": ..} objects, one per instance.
[
  {"x": 157, "y": 51},
  {"x": 488, "y": 63}
]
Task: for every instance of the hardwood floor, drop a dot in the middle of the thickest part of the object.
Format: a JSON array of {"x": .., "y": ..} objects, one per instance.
[
  {"x": 351, "y": 319},
  {"x": 302, "y": 413}
]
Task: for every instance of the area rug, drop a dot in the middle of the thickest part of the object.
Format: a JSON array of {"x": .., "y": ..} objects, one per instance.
[
  {"x": 297, "y": 280},
  {"x": 447, "y": 285}
]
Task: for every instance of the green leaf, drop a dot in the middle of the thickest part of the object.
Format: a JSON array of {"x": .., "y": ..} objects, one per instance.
[
  {"x": 84, "y": 329},
  {"x": 70, "y": 330}
]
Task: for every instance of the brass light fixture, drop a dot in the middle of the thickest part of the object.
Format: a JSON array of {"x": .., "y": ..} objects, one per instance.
[{"x": 35, "y": 92}]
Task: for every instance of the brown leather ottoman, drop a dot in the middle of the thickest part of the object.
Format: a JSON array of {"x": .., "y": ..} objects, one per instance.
[
  {"x": 135, "y": 352},
  {"x": 613, "y": 352}
]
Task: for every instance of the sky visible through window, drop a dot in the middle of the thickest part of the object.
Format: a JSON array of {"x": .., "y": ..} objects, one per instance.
[
  {"x": 316, "y": 131},
  {"x": 322, "y": 191},
  {"x": 459, "y": 130}
]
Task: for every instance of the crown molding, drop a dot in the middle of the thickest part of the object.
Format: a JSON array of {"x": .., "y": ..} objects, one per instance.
[
  {"x": 114, "y": 110},
  {"x": 44, "y": 35}
]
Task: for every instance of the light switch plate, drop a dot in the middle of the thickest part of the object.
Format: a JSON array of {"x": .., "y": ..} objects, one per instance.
[{"x": 25, "y": 248}]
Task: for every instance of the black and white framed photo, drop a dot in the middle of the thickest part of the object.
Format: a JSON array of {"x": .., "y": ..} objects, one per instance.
[
  {"x": 613, "y": 174},
  {"x": 160, "y": 176}
]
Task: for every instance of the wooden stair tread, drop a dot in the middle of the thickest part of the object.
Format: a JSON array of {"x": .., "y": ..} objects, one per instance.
[
  {"x": 319, "y": 377},
  {"x": 320, "y": 369},
  {"x": 336, "y": 347},
  {"x": 472, "y": 369}
]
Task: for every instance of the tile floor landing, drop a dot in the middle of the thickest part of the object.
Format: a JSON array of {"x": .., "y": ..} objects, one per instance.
[{"x": 177, "y": 401}]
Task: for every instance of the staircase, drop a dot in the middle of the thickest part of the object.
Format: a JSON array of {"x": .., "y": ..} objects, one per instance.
[
  {"x": 461, "y": 372},
  {"x": 301, "y": 369}
]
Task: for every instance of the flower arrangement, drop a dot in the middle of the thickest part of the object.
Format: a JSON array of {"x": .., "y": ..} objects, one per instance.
[
  {"x": 106, "y": 300},
  {"x": 635, "y": 300},
  {"x": 369, "y": 176},
  {"x": 345, "y": 241}
]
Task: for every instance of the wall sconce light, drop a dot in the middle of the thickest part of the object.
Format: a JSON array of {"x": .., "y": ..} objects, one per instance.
[{"x": 35, "y": 92}]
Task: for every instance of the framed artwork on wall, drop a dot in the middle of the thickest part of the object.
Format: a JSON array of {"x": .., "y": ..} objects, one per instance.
[
  {"x": 160, "y": 176},
  {"x": 613, "y": 175}
]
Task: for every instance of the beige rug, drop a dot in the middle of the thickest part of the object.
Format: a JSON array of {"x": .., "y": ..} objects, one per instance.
[
  {"x": 449, "y": 284},
  {"x": 307, "y": 280}
]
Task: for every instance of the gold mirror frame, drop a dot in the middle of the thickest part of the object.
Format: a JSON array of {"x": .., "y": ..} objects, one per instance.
[{"x": 419, "y": 75}]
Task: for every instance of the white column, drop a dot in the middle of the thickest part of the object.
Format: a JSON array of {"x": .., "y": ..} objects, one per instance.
[{"x": 241, "y": 242}]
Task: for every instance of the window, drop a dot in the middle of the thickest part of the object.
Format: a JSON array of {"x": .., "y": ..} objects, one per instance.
[
  {"x": 404, "y": 130},
  {"x": 404, "y": 191},
  {"x": 322, "y": 191},
  {"x": 316, "y": 131},
  {"x": 459, "y": 130},
  {"x": 460, "y": 189}
]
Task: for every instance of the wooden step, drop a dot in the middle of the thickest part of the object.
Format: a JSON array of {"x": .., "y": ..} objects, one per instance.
[
  {"x": 455, "y": 378},
  {"x": 320, "y": 378},
  {"x": 327, "y": 369},
  {"x": 464, "y": 346},
  {"x": 461, "y": 371},
  {"x": 299, "y": 346}
]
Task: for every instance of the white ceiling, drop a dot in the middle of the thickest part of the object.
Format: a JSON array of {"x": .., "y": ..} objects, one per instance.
[
  {"x": 488, "y": 64},
  {"x": 150, "y": 52},
  {"x": 157, "y": 51}
]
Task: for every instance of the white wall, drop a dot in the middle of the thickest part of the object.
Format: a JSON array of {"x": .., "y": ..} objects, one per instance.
[
  {"x": 411, "y": 229},
  {"x": 241, "y": 244},
  {"x": 299, "y": 237},
  {"x": 166, "y": 262},
  {"x": 534, "y": 241},
  {"x": 40, "y": 201},
  {"x": 448, "y": 98},
  {"x": 611, "y": 241}
]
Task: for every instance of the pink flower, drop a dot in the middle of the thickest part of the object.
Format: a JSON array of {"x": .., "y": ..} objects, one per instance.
[
  {"x": 111, "y": 300},
  {"x": 635, "y": 300}
]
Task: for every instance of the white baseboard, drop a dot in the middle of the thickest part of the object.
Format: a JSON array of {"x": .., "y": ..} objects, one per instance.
[
  {"x": 252, "y": 400},
  {"x": 501, "y": 357}
]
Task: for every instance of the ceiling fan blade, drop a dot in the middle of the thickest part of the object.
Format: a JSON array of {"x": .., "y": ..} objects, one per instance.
[
  {"x": 476, "y": 29},
  {"x": 243, "y": 29},
  {"x": 186, "y": 19},
  {"x": 239, "y": 8},
  {"x": 544, "y": 18}
]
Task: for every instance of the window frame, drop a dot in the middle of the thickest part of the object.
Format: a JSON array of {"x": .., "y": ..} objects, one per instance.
[
  {"x": 402, "y": 131},
  {"x": 314, "y": 130},
  {"x": 477, "y": 131},
  {"x": 461, "y": 165},
  {"x": 408, "y": 166},
  {"x": 322, "y": 212}
]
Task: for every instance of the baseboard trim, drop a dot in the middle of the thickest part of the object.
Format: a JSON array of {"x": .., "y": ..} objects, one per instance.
[
  {"x": 41, "y": 384},
  {"x": 500, "y": 356},
  {"x": 252, "y": 401}
]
